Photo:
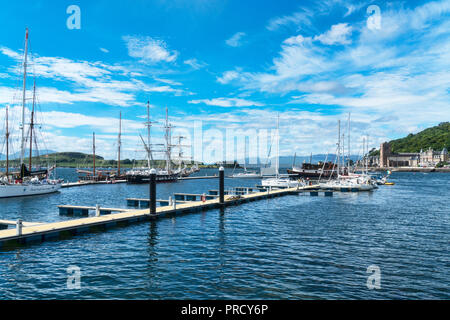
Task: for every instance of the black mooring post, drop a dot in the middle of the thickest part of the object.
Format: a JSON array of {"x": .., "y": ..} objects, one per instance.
[
  {"x": 152, "y": 203},
  {"x": 221, "y": 185}
]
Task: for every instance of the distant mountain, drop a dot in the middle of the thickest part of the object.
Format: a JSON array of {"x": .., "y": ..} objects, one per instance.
[
  {"x": 436, "y": 138},
  {"x": 79, "y": 159},
  {"x": 17, "y": 154},
  {"x": 287, "y": 161}
]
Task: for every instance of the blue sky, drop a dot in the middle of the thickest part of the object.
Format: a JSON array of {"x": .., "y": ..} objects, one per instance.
[{"x": 231, "y": 65}]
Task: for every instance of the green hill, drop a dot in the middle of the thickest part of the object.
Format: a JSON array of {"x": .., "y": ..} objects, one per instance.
[
  {"x": 436, "y": 138},
  {"x": 78, "y": 159}
]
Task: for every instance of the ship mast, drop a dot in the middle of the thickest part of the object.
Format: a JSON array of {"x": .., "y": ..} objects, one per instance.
[
  {"x": 148, "y": 124},
  {"x": 367, "y": 155},
  {"x": 277, "y": 163},
  {"x": 348, "y": 147},
  {"x": 22, "y": 148},
  {"x": 7, "y": 143},
  {"x": 32, "y": 127},
  {"x": 119, "y": 143},
  {"x": 168, "y": 139},
  {"x": 339, "y": 148},
  {"x": 93, "y": 151}
]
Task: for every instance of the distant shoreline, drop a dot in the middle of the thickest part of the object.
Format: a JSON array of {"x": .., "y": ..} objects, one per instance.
[{"x": 408, "y": 169}]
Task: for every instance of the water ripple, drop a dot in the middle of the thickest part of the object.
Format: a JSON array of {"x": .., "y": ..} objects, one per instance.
[{"x": 293, "y": 247}]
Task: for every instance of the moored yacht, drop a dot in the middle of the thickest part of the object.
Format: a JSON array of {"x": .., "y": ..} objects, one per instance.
[
  {"x": 26, "y": 182},
  {"x": 280, "y": 181}
]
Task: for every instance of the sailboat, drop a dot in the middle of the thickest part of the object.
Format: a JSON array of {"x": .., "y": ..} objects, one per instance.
[
  {"x": 246, "y": 174},
  {"x": 280, "y": 181},
  {"x": 345, "y": 180},
  {"x": 26, "y": 182},
  {"x": 312, "y": 170},
  {"x": 142, "y": 175},
  {"x": 104, "y": 175},
  {"x": 94, "y": 175}
]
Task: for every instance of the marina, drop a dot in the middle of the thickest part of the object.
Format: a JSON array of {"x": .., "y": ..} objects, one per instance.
[
  {"x": 28, "y": 233},
  {"x": 247, "y": 233},
  {"x": 199, "y": 150}
]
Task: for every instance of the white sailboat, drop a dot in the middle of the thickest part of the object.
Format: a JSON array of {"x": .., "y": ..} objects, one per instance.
[
  {"x": 246, "y": 174},
  {"x": 26, "y": 182},
  {"x": 278, "y": 181},
  {"x": 349, "y": 181}
]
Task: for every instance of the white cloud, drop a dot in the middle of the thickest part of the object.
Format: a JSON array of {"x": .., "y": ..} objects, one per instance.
[
  {"x": 229, "y": 76},
  {"x": 227, "y": 102},
  {"x": 377, "y": 75},
  {"x": 302, "y": 17},
  {"x": 298, "y": 58},
  {"x": 194, "y": 63},
  {"x": 235, "y": 40},
  {"x": 149, "y": 50},
  {"x": 91, "y": 81},
  {"x": 104, "y": 50},
  {"x": 338, "y": 34}
]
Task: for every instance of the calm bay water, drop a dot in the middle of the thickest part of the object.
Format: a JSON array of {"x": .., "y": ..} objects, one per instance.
[{"x": 293, "y": 247}]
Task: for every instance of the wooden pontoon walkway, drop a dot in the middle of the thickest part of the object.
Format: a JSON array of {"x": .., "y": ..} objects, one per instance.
[
  {"x": 89, "y": 183},
  {"x": 37, "y": 233}
]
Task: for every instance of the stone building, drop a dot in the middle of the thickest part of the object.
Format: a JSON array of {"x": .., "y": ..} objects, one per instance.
[
  {"x": 385, "y": 151},
  {"x": 429, "y": 158}
]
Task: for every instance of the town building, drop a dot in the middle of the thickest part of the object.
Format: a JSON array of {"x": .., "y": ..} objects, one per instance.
[{"x": 429, "y": 158}]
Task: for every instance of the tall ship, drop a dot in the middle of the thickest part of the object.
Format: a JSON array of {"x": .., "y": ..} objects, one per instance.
[
  {"x": 167, "y": 174},
  {"x": 96, "y": 175},
  {"x": 314, "y": 170},
  {"x": 26, "y": 180}
]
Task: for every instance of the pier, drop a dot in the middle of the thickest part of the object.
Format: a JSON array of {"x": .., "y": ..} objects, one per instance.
[
  {"x": 69, "y": 210},
  {"x": 41, "y": 232},
  {"x": 88, "y": 183},
  {"x": 181, "y": 203}
]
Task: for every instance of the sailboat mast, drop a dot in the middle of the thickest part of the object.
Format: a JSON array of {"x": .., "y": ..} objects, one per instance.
[
  {"x": 339, "y": 148},
  {"x": 7, "y": 143},
  {"x": 22, "y": 148},
  {"x": 348, "y": 147},
  {"x": 32, "y": 127},
  {"x": 343, "y": 153},
  {"x": 93, "y": 151},
  {"x": 168, "y": 138},
  {"x": 278, "y": 145},
  {"x": 367, "y": 155},
  {"x": 245, "y": 154},
  {"x": 119, "y": 143},
  {"x": 364, "y": 152},
  {"x": 148, "y": 124}
]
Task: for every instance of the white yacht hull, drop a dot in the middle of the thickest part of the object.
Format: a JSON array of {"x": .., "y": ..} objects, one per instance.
[
  {"x": 246, "y": 176},
  {"x": 274, "y": 182},
  {"x": 22, "y": 190},
  {"x": 347, "y": 186}
]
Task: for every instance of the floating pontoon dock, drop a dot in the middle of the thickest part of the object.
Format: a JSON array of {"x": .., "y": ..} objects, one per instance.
[
  {"x": 31, "y": 232},
  {"x": 88, "y": 183}
]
